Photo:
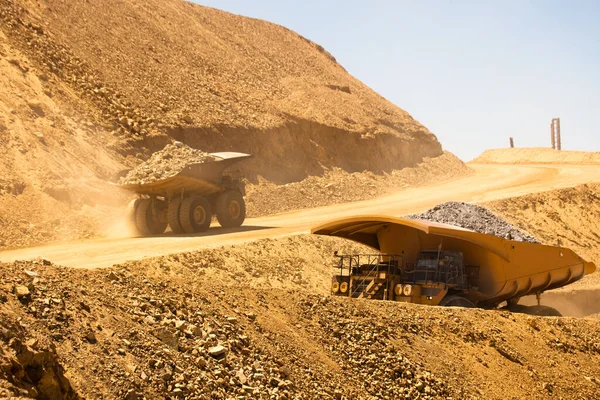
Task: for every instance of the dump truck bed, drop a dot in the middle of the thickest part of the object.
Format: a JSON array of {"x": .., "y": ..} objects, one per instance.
[
  {"x": 508, "y": 269},
  {"x": 204, "y": 178}
]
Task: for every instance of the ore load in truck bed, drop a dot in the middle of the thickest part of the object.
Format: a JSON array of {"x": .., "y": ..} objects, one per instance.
[
  {"x": 165, "y": 163},
  {"x": 475, "y": 218}
]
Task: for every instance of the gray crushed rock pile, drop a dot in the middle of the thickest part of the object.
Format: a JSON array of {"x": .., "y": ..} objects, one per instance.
[
  {"x": 165, "y": 164},
  {"x": 475, "y": 218}
]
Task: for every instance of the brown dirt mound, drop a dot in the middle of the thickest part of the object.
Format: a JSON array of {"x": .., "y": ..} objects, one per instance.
[
  {"x": 337, "y": 186},
  {"x": 215, "y": 81},
  {"x": 537, "y": 156},
  {"x": 79, "y": 104},
  {"x": 161, "y": 328}
]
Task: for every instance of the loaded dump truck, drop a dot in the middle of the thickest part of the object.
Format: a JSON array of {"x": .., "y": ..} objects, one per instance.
[
  {"x": 425, "y": 262},
  {"x": 187, "y": 198}
]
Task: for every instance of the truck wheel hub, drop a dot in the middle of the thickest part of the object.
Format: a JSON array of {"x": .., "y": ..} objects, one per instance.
[
  {"x": 199, "y": 215},
  {"x": 234, "y": 209}
]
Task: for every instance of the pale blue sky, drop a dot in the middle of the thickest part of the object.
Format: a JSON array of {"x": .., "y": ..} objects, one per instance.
[{"x": 473, "y": 72}]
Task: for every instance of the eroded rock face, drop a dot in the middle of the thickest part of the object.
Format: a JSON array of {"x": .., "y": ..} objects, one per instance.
[
  {"x": 475, "y": 218},
  {"x": 165, "y": 164},
  {"x": 34, "y": 371}
]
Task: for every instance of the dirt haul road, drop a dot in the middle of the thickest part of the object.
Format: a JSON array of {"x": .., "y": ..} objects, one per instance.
[{"x": 489, "y": 182}]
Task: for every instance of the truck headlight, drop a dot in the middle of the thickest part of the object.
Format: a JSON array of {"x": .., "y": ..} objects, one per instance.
[
  {"x": 407, "y": 290},
  {"x": 344, "y": 287},
  {"x": 335, "y": 287},
  {"x": 398, "y": 290}
]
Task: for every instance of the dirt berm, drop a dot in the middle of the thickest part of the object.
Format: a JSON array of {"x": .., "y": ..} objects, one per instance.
[
  {"x": 537, "y": 155},
  {"x": 88, "y": 89}
]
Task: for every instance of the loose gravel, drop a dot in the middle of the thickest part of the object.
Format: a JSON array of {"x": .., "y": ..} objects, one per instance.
[{"x": 475, "y": 218}]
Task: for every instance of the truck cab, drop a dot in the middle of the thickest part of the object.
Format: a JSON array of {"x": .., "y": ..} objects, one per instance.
[{"x": 434, "y": 276}]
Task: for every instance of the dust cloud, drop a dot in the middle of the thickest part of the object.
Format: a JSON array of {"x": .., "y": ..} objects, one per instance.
[{"x": 571, "y": 302}]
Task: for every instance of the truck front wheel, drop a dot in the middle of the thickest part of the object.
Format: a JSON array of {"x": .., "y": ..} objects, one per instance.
[
  {"x": 173, "y": 215},
  {"x": 231, "y": 209}
]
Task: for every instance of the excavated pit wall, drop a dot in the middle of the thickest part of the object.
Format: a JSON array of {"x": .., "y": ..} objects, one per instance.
[
  {"x": 298, "y": 147},
  {"x": 303, "y": 148}
]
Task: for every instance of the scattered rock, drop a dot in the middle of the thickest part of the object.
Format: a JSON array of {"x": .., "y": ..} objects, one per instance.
[
  {"x": 91, "y": 337},
  {"x": 40, "y": 136},
  {"x": 217, "y": 352},
  {"x": 167, "y": 337},
  {"x": 36, "y": 106},
  {"x": 113, "y": 277},
  {"x": 31, "y": 274},
  {"x": 21, "y": 291}
]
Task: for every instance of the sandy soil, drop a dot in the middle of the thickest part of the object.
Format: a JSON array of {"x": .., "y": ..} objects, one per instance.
[
  {"x": 149, "y": 329},
  {"x": 489, "y": 182},
  {"x": 76, "y": 110},
  {"x": 253, "y": 319},
  {"x": 538, "y": 155}
]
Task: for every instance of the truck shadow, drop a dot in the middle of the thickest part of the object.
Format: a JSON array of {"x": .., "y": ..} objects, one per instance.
[{"x": 217, "y": 230}]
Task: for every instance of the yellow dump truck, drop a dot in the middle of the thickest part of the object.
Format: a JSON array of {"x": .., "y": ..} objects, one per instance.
[
  {"x": 187, "y": 200},
  {"x": 425, "y": 262}
]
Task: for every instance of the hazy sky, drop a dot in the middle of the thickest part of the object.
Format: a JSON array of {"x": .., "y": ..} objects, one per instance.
[{"x": 473, "y": 72}]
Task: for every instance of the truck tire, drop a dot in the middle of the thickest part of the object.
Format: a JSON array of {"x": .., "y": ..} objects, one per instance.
[
  {"x": 456, "y": 301},
  {"x": 231, "y": 209},
  {"x": 195, "y": 214},
  {"x": 148, "y": 218},
  {"x": 173, "y": 215},
  {"x": 542, "y": 311},
  {"x": 130, "y": 216}
]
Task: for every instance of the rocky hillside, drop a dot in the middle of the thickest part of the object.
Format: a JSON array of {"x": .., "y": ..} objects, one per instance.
[
  {"x": 89, "y": 89},
  {"x": 184, "y": 326},
  {"x": 157, "y": 69}
]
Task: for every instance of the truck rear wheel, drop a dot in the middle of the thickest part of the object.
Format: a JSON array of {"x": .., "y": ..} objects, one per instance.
[
  {"x": 231, "y": 209},
  {"x": 173, "y": 215},
  {"x": 195, "y": 214},
  {"x": 150, "y": 218},
  {"x": 130, "y": 215},
  {"x": 543, "y": 311},
  {"x": 456, "y": 301}
]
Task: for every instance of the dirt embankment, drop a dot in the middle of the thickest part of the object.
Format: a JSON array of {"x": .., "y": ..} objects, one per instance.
[
  {"x": 338, "y": 186},
  {"x": 79, "y": 103},
  {"x": 216, "y": 81},
  {"x": 163, "y": 328},
  {"x": 54, "y": 163},
  {"x": 536, "y": 156}
]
